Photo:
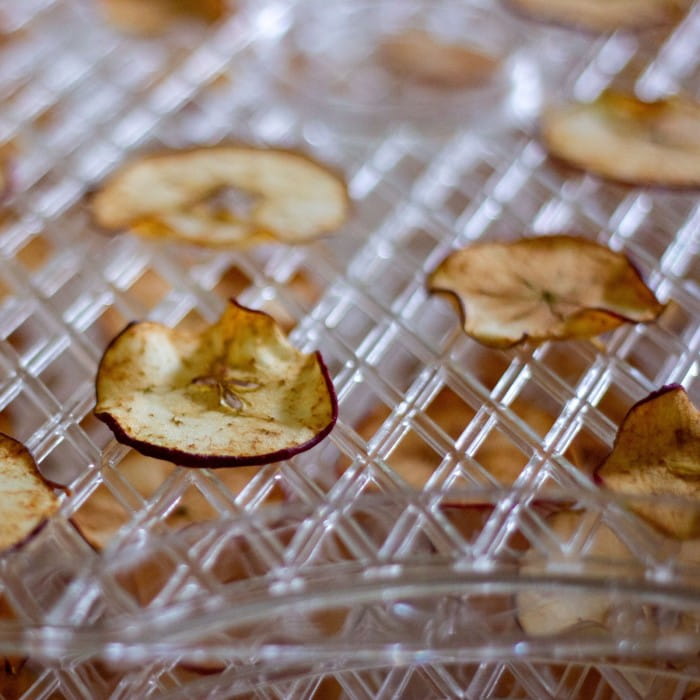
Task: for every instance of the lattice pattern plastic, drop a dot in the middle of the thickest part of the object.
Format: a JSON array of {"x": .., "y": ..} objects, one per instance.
[{"x": 346, "y": 571}]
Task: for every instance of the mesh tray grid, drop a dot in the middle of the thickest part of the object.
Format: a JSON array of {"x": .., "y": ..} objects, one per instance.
[{"x": 75, "y": 104}]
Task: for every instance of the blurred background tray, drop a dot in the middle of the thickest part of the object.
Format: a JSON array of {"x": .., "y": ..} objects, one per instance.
[{"x": 362, "y": 568}]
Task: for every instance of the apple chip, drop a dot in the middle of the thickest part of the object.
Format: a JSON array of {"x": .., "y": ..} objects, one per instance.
[
  {"x": 236, "y": 394},
  {"x": 225, "y": 196},
  {"x": 27, "y": 498},
  {"x": 537, "y": 289},
  {"x": 421, "y": 57},
  {"x": 152, "y": 17},
  {"x": 603, "y": 15},
  {"x": 549, "y": 610},
  {"x": 657, "y": 453},
  {"x": 622, "y": 138}
]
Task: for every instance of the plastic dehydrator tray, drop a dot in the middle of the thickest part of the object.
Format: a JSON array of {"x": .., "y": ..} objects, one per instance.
[{"x": 386, "y": 561}]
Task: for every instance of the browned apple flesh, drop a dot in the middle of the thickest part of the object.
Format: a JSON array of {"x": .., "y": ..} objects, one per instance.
[
  {"x": 225, "y": 196},
  {"x": 545, "y": 610},
  {"x": 622, "y": 138},
  {"x": 236, "y": 394},
  {"x": 26, "y": 499},
  {"x": 421, "y": 57},
  {"x": 546, "y": 288},
  {"x": 603, "y": 15},
  {"x": 657, "y": 453},
  {"x": 152, "y": 17}
]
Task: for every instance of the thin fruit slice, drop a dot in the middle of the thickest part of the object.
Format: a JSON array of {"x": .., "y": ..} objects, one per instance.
[
  {"x": 423, "y": 58},
  {"x": 224, "y": 197},
  {"x": 26, "y": 498},
  {"x": 603, "y": 15},
  {"x": 537, "y": 289},
  {"x": 551, "y": 610},
  {"x": 152, "y": 17},
  {"x": 657, "y": 453},
  {"x": 622, "y": 138},
  {"x": 237, "y": 394}
]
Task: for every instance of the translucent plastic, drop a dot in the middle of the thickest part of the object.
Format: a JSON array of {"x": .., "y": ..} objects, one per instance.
[{"x": 387, "y": 561}]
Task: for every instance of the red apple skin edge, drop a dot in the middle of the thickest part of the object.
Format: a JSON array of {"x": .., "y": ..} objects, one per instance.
[
  {"x": 40, "y": 526},
  {"x": 597, "y": 479},
  {"x": 211, "y": 461},
  {"x": 454, "y": 299}
]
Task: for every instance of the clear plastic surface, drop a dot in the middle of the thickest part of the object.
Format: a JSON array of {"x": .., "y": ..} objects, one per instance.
[{"x": 387, "y": 561}]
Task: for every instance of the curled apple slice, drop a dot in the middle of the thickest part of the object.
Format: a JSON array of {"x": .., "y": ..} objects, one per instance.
[
  {"x": 622, "y": 138},
  {"x": 225, "y": 196},
  {"x": 551, "y": 610},
  {"x": 547, "y": 288},
  {"x": 423, "y": 58},
  {"x": 657, "y": 453},
  {"x": 602, "y": 15},
  {"x": 26, "y": 498},
  {"x": 236, "y": 394}
]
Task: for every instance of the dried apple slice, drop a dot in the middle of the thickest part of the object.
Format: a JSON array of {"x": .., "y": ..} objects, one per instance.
[
  {"x": 237, "y": 394},
  {"x": 225, "y": 196},
  {"x": 603, "y": 15},
  {"x": 152, "y": 17},
  {"x": 421, "y": 57},
  {"x": 622, "y": 138},
  {"x": 545, "y": 610},
  {"x": 537, "y": 289},
  {"x": 657, "y": 453},
  {"x": 26, "y": 498}
]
